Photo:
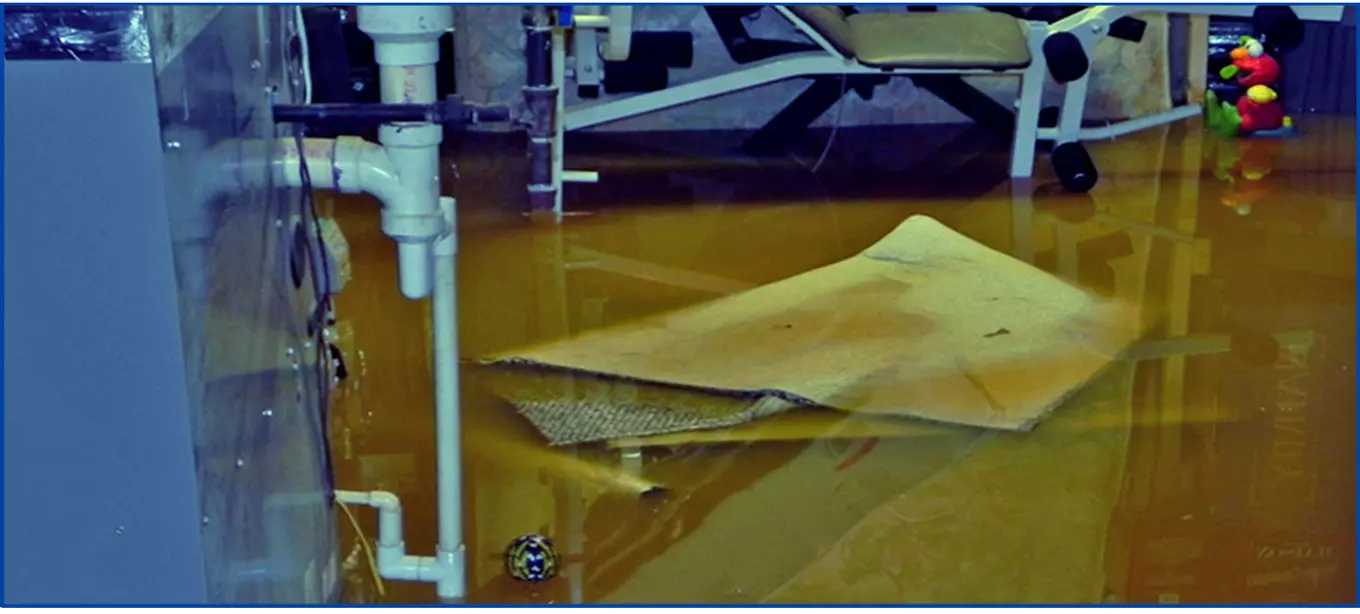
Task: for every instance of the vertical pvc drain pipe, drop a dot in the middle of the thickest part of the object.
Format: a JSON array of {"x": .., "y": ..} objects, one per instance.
[{"x": 406, "y": 46}]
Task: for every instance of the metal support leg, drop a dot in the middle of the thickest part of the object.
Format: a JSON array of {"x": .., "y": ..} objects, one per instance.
[
  {"x": 1031, "y": 99},
  {"x": 559, "y": 79},
  {"x": 542, "y": 96}
]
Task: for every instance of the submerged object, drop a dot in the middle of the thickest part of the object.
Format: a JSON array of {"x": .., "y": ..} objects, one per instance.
[{"x": 531, "y": 558}]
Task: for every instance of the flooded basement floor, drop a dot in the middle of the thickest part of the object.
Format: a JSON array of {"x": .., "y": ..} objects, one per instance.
[{"x": 1214, "y": 464}]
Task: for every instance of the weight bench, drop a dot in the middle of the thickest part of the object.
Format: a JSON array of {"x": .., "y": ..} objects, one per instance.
[{"x": 969, "y": 42}]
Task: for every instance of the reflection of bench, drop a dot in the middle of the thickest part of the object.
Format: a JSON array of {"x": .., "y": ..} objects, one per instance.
[{"x": 940, "y": 43}]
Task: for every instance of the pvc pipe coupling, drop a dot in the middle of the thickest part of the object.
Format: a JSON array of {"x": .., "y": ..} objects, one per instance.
[
  {"x": 405, "y": 35},
  {"x": 352, "y": 165}
]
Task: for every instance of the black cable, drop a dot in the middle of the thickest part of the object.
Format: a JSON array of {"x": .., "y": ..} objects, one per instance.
[{"x": 318, "y": 320}]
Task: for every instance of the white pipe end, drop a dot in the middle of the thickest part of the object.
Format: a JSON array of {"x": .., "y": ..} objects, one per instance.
[{"x": 416, "y": 261}]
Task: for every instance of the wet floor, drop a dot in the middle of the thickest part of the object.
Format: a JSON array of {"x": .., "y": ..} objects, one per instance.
[{"x": 1215, "y": 464}]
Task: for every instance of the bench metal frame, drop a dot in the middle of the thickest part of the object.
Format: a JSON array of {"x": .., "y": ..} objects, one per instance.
[{"x": 1089, "y": 26}]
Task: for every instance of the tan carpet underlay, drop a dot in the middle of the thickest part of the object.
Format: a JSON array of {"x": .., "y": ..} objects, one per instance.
[{"x": 926, "y": 323}]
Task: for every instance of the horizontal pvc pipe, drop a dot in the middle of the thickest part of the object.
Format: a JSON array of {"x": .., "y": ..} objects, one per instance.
[{"x": 347, "y": 165}]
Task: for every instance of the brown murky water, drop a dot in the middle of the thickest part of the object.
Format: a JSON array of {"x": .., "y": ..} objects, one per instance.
[{"x": 1215, "y": 465}]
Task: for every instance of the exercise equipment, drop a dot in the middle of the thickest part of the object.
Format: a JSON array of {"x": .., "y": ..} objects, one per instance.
[{"x": 863, "y": 50}]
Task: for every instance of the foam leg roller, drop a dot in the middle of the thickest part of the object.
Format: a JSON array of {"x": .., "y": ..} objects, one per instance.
[
  {"x": 626, "y": 77},
  {"x": 1130, "y": 29},
  {"x": 671, "y": 49},
  {"x": 1065, "y": 57},
  {"x": 1074, "y": 167},
  {"x": 1279, "y": 27}
]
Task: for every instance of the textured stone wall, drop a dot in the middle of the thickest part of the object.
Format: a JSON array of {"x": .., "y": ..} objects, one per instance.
[{"x": 1129, "y": 80}]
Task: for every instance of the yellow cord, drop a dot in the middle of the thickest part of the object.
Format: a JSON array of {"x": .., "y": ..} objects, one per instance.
[{"x": 368, "y": 549}]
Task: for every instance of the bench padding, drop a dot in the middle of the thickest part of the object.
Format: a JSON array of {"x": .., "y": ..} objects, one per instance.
[{"x": 947, "y": 40}]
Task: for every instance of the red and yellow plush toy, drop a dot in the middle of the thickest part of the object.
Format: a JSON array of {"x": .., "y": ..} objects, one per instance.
[
  {"x": 1251, "y": 65},
  {"x": 1259, "y": 109}
]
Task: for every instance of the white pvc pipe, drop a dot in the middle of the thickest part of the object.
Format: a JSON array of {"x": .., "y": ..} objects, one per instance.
[
  {"x": 418, "y": 167},
  {"x": 406, "y": 46},
  {"x": 389, "y": 513},
  {"x": 356, "y": 165},
  {"x": 390, "y": 546},
  {"x": 447, "y": 569},
  {"x": 348, "y": 165},
  {"x": 448, "y": 414},
  {"x": 408, "y": 84},
  {"x": 352, "y": 165}
]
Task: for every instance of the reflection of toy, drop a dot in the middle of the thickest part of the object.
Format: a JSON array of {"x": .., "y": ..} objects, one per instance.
[
  {"x": 531, "y": 558},
  {"x": 1245, "y": 166},
  {"x": 1258, "y": 111}
]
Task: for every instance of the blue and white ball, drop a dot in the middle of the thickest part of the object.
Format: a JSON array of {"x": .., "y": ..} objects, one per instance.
[{"x": 531, "y": 558}]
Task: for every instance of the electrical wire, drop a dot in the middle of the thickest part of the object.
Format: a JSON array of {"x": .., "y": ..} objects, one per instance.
[
  {"x": 836, "y": 124},
  {"x": 367, "y": 547},
  {"x": 306, "y": 59},
  {"x": 318, "y": 320}
]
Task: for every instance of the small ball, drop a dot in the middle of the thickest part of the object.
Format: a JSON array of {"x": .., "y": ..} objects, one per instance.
[{"x": 531, "y": 558}]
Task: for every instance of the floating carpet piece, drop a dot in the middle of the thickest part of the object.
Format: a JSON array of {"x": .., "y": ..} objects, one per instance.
[
  {"x": 926, "y": 323},
  {"x": 573, "y": 408}
]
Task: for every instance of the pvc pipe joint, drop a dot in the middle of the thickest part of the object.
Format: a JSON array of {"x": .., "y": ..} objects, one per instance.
[
  {"x": 446, "y": 570},
  {"x": 411, "y": 214},
  {"x": 405, "y": 35},
  {"x": 406, "y": 46},
  {"x": 452, "y": 582},
  {"x": 447, "y": 246}
]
